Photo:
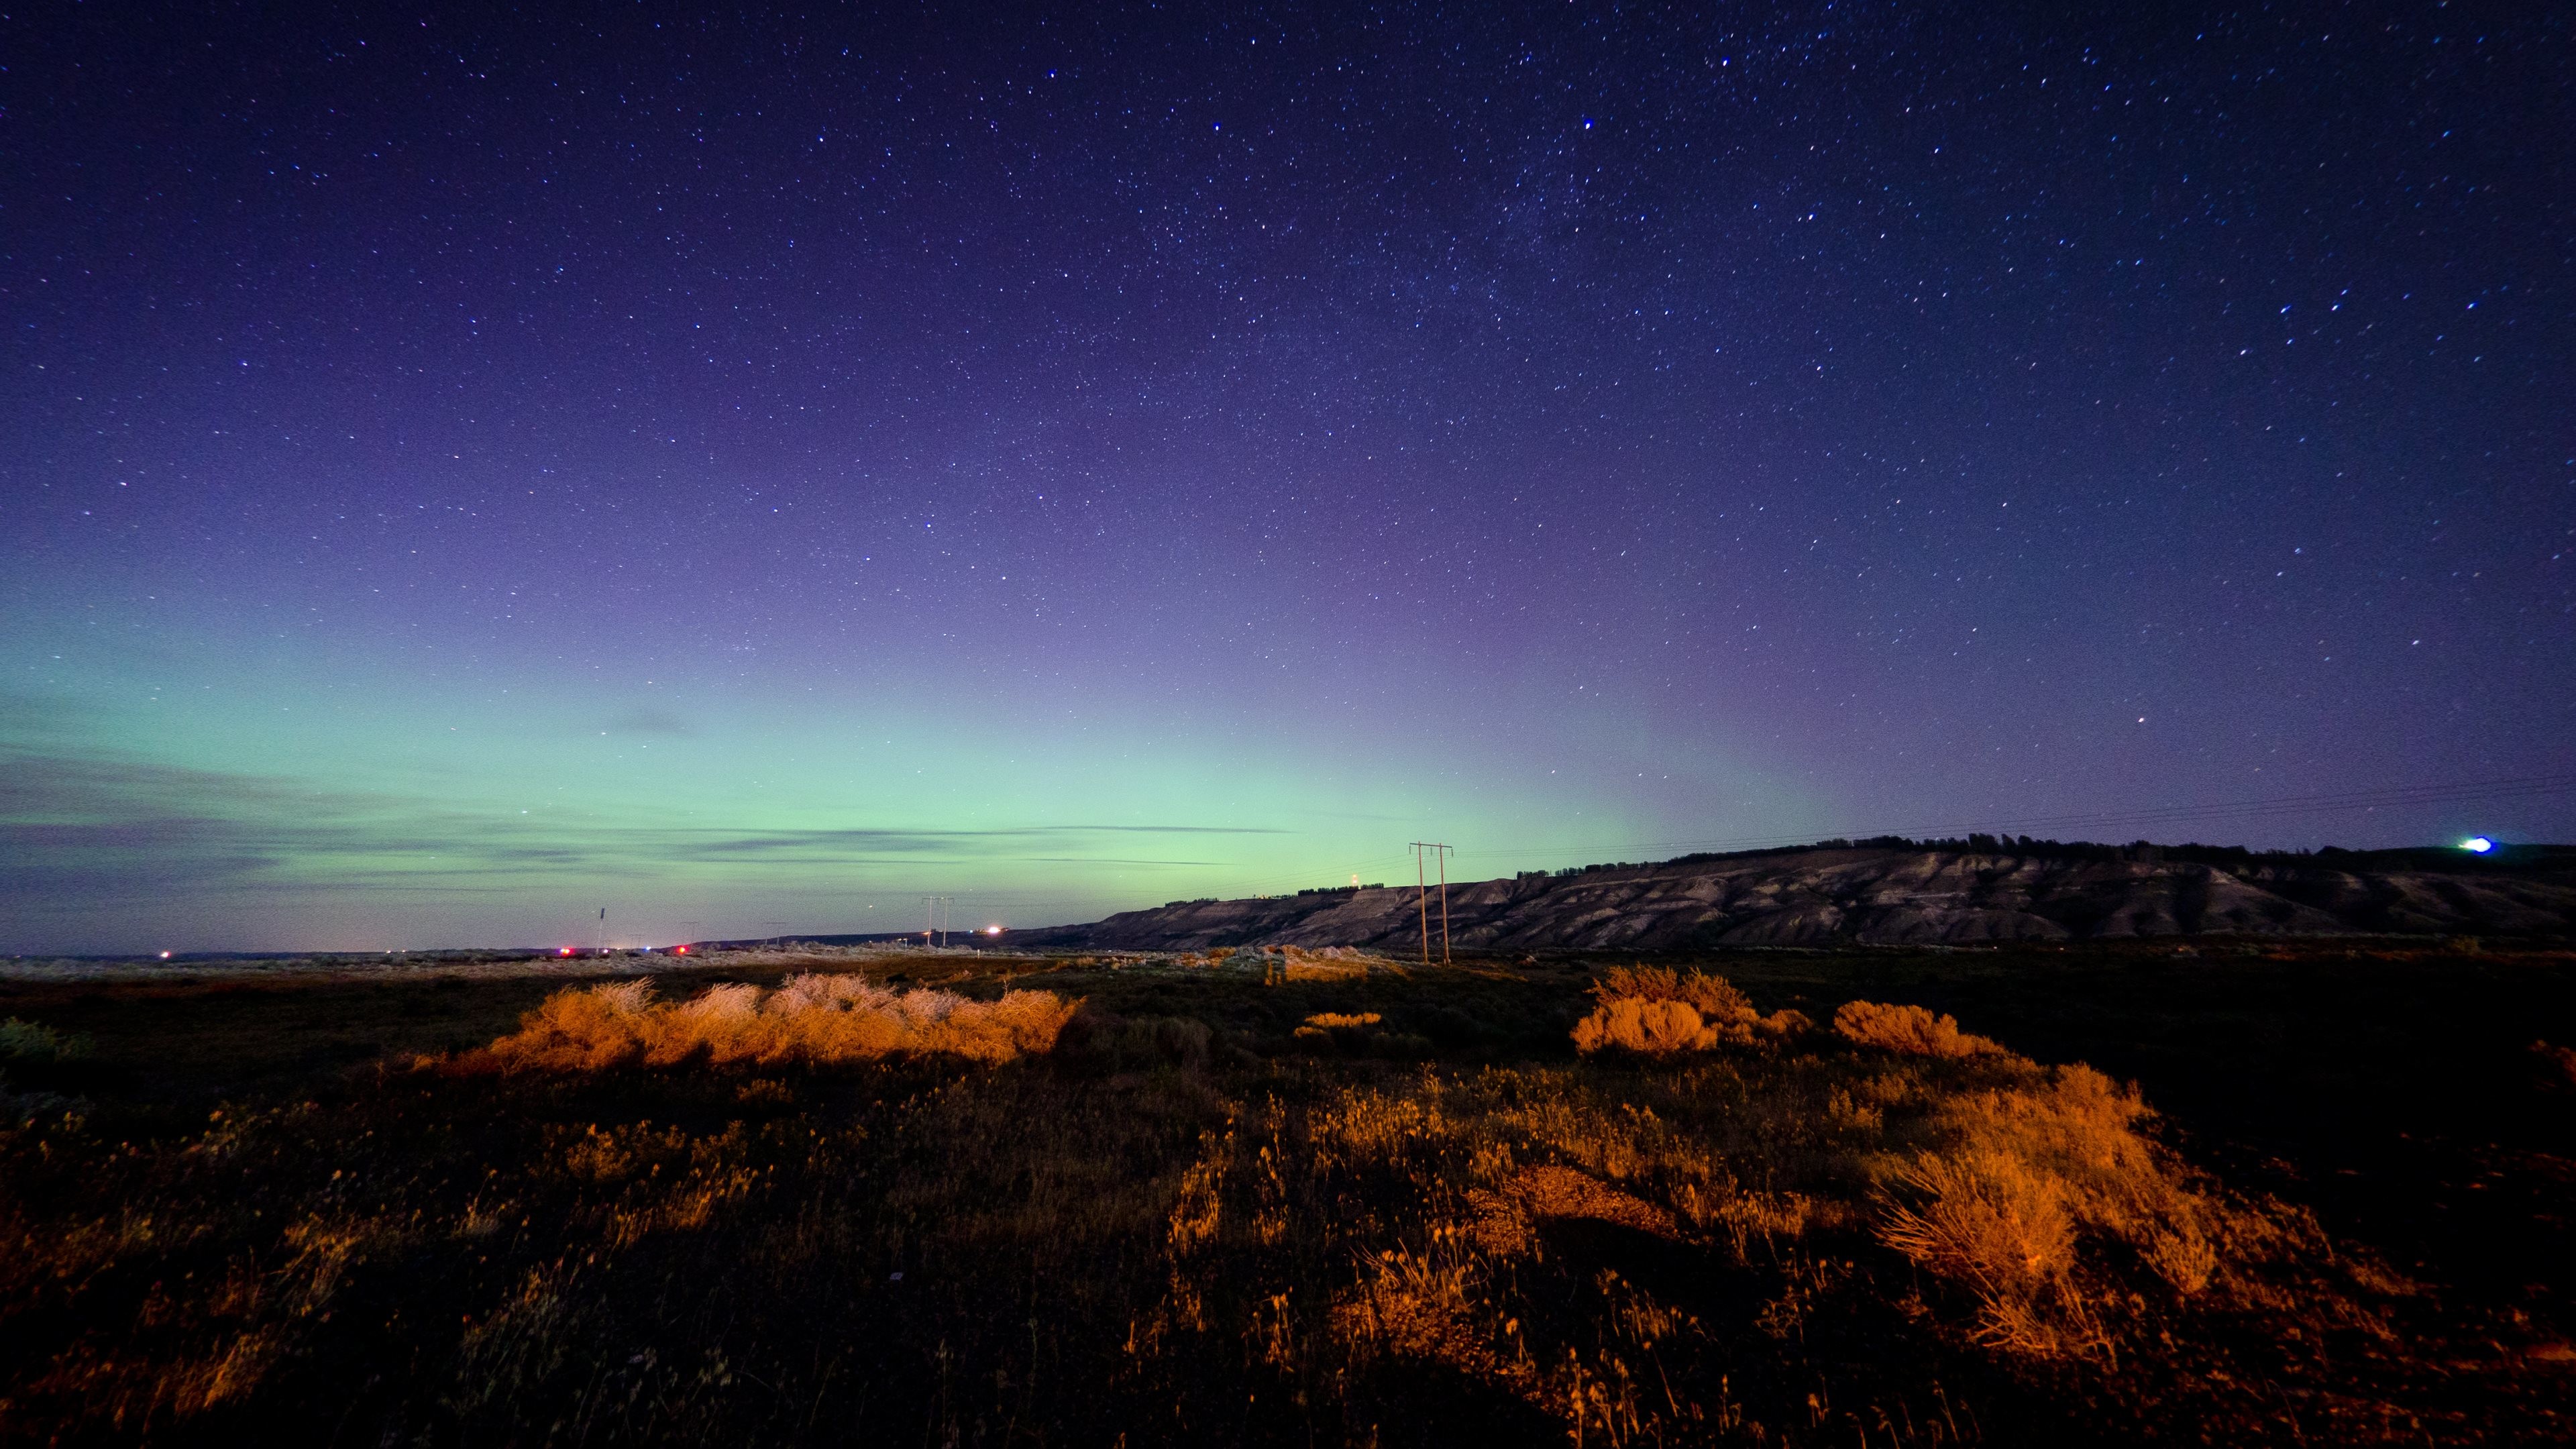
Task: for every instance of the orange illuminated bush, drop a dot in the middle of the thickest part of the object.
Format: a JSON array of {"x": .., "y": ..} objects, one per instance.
[
  {"x": 1655, "y": 1028},
  {"x": 2024, "y": 1186},
  {"x": 1655, "y": 1011},
  {"x": 1713, "y": 997},
  {"x": 2030, "y": 1190},
  {"x": 1908, "y": 1031},
  {"x": 808, "y": 1018}
]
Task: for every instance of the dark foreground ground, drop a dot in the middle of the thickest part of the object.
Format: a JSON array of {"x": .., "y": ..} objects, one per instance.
[{"x": 249, "y": 1211}]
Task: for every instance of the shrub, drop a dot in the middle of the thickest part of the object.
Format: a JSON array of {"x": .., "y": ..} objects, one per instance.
[
  {"x": 33, "y": 1042},
  {"x": 1652, "y": 1028},
  {"x": 1095, "y": 1041},
  {"x": 1358, "y": 1033},
  {"x": 809, "y": 1018},
  {"x": 1327, "y": 963},
  {"x": 2555, "y": 1065},
  {"x": 1985, "y": 1219},
  {"x": 1713, "y": 997},
  {"x": 2027, "y": 1175},
  {"x": 1908, "y": 1031},
  {"x": 1654, "y": 1011}
]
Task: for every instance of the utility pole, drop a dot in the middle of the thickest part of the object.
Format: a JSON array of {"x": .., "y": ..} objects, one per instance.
[
  {"x": 942, "y": 913},
  {"x": 1422, "y": 884},
  {"x": 1423, "y": 898},
  {"x": 1444, "y": 905}
]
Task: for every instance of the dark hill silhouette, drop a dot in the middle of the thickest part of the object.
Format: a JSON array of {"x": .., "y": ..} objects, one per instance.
[{"x": 1940, "y": 892}]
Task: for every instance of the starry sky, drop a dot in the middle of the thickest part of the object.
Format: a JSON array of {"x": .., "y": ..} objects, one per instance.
[{"x": 463, "y": 470}]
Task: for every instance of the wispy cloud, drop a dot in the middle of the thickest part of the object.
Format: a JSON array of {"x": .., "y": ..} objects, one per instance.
[
  {"x": 866, "y": 843},
  {"x": 87, "y": 827},
  {"x": 651, "y": 722}
]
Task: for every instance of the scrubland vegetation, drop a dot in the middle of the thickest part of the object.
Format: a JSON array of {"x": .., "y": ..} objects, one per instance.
[
  {"x": 1655, "y": 1011},
  {"x": 1095, "y": 1202},
  {"x": 812, "y": 1018}
]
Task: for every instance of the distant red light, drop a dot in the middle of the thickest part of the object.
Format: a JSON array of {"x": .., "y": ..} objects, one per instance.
[
  {"x": 563, "y": 951},
  {"x": 680, "y": 950}
]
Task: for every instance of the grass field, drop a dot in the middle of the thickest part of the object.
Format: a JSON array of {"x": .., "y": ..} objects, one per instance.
[{"x": 1217, "y": 1203}]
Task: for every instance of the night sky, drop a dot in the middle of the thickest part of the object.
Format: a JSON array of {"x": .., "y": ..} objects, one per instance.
[{"x": 459, "y": 471}]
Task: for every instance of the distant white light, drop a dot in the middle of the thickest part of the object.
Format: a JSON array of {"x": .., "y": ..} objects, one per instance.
[
  {"x": 992, "y": 930},
  {"x": 165, "y": 955},
  {"x": 2477, "y": 845}
]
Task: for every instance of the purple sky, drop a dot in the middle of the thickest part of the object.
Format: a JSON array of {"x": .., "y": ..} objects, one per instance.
[{"x": 464, "y": 469}]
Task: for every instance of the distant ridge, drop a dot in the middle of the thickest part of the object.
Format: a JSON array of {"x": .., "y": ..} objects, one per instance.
[{"x": 1980, "y": 889}]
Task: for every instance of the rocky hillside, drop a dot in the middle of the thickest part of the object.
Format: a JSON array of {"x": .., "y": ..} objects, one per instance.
[{"x": 1820, "y": 896}]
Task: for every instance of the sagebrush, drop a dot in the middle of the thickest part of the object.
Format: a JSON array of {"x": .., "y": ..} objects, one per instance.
[
  {"x": 809, "y": 1018},
  {"x": 1655, "y": 1011},
  {"x": 1908, "y": 1030}
]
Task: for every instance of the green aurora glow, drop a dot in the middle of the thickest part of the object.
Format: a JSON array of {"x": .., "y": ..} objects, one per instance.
[{"x": 296, "y": 802}]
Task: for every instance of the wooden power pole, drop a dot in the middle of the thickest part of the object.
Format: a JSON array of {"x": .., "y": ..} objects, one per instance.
[{"x": 1422, "y": 884}]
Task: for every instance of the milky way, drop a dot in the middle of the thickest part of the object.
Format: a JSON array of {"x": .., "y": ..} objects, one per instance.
[{"x": 462, "y": 471}]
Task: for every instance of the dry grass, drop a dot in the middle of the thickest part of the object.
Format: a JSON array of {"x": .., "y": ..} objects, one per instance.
[
  {"x": 2024, "y": 1181},
  {"x": 847, "y": 1226},
  {"x": 2024, "y": 1184},
  {"x": 811, "y": 1018}
]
